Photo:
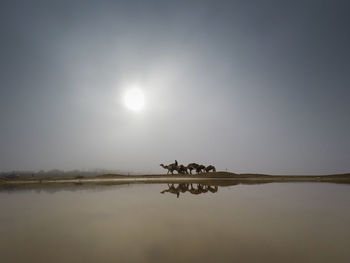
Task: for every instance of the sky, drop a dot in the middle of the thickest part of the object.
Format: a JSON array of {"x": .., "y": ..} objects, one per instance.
[{"x": 248, "y": 86}]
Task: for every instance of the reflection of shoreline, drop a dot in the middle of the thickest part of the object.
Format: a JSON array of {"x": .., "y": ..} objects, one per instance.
[
  {"x": 100, "y": 186},
  {"x": 195, "y": 190}
]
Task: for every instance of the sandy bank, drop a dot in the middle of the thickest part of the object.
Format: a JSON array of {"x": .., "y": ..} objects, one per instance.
[{"x": 212, "y": 178}]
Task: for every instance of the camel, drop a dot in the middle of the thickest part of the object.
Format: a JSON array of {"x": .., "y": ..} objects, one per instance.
[
  {"x": 183, "y": 188},
  {"x": 200, "y": 168},
  {"x": 203, "y": 188},
  {"x": 171, "y": 167},
  {"x": 192, "y": 166},
  {"x": 195, "y": 191},
  {"x": 172, "y": 189},
  {"x": 181, "y": 169},
  {"x": 210, "y": 168},
  {"x": 212, "y": 189}
]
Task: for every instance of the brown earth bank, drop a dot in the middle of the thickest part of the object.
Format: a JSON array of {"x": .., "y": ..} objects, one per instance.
[
  {"x": 212, "y": 178},
  {"x": 226, "y": 175}
]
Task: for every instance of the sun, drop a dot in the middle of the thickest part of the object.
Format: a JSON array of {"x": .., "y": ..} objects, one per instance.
[{"x": 134, "y": 99}]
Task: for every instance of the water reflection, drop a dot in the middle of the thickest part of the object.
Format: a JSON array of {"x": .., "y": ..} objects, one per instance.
[
  {"x": 194, "y": 189},
  {"x": 294, "y": 222},
  {"x": 194, "y": 186},
  {"x": 173, "y": 187}
]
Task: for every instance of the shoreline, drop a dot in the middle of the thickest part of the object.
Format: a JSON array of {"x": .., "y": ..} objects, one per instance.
[{"x": 161, "y": 178}]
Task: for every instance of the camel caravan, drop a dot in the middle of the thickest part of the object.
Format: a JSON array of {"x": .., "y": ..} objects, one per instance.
[
  {"x": 183, "y": 188},
  {"x": 182, "y": 169}
]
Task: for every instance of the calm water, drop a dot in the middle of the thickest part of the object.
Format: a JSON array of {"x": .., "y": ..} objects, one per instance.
[{"x": 289, "y": 222}]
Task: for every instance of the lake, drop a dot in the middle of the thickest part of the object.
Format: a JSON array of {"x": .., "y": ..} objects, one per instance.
[{"x": 274, "y": 222}]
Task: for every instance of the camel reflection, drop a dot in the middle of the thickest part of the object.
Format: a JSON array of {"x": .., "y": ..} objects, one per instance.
[{"x": 195, "y": 190}]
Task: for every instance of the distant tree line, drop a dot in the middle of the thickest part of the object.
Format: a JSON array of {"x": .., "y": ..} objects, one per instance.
[{"x": 54, "y": 173}]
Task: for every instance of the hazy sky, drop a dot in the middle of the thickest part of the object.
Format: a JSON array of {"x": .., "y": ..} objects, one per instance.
[{"x": 251, "y": 86}]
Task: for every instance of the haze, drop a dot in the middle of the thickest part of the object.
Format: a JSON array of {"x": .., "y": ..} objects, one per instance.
[{"x": 249, "y": 86}]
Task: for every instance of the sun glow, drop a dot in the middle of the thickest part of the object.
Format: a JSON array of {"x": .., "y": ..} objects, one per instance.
[{"x": 134, "y": 99}]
